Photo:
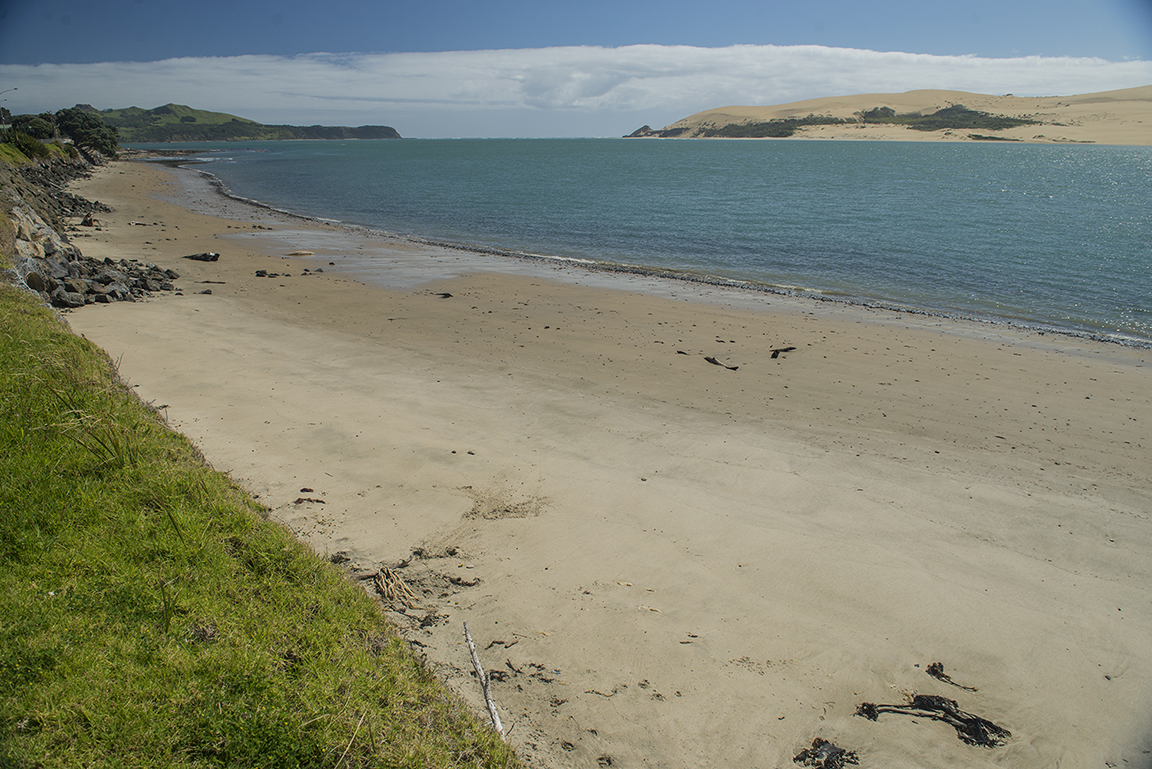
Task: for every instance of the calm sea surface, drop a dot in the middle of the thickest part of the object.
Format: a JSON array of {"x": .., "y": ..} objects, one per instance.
[{"x": 1058, "y": 237}]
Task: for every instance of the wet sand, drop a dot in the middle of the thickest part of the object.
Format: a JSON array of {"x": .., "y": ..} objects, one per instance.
[{"x": 667, "y": 561}]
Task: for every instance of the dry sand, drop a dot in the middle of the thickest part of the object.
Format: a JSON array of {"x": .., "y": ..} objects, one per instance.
[
  {"x": 665, "y": 562},
  {"x": 1108, "y": 117}
]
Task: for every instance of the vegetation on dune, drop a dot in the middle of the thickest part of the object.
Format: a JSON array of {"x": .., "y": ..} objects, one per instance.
[
  {"x": 780, "y": 128},
  {"x": 986, "y": 138},
  {"x": 954, "y": 117},
  {"x": 150, "y": 616}
]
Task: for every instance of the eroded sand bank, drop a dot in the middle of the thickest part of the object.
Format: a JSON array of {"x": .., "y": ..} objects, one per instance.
[{"x": 667, "y": 562}]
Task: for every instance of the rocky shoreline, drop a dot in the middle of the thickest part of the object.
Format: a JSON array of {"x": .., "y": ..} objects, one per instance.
[{"x": 41, "y": 211}]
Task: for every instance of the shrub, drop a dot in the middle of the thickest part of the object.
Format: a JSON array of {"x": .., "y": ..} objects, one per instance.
[
  {"x": 876, "y": 114},
  {"x": 29, "y": 145}
]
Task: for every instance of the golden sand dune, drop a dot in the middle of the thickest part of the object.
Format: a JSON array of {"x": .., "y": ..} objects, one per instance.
[{"x": 1108, "y": 117}]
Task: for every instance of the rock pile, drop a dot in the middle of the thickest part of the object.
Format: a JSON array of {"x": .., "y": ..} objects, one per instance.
[
  {"x": 56, "y": 269},
  {"x": 45, "y": 190},
  {"x": 76, "y": 282},
  {"x": 46, "y": 261}
]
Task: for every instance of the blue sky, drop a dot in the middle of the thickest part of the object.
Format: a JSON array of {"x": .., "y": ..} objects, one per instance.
[{"x": 522, "y": 68}]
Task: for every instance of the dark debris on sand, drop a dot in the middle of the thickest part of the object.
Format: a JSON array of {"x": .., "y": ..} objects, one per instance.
[
  {"x": 825, "y": 755},
  {"x": 973, "y": 730}
]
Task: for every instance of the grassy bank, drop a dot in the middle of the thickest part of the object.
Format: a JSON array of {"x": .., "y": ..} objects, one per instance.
[{"x": 149, "y": 616}]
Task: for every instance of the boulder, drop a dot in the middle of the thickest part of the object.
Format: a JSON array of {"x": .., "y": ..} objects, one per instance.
[
  {"x": 57, "y": 268},
  {"x": 35, "y": 281},
  {"x": 76, "y": 286},
  {"x": 62, "y": 298}
]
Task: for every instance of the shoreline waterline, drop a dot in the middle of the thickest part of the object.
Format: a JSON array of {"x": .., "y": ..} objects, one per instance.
[{"x": 655, "y": 272}]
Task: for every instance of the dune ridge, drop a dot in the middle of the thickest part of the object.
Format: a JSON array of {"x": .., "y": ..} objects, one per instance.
[{"x": 1122, "y": 117}]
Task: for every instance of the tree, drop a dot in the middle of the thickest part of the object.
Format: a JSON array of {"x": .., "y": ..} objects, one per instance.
[
  {"x": 33, "y": 125},
  {"x": 50, "y": 119},
  {"x": 88, "y": 131}
]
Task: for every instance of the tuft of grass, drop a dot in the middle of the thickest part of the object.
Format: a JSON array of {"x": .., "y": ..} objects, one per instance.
[
  {"x": 150, "y": 616},
  {"x": 113, "y": 438}
]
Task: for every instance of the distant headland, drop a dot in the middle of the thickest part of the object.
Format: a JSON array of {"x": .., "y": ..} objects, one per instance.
[
  {"x": 1108, "y": 117},
  {"x": 179, "y": 123}
]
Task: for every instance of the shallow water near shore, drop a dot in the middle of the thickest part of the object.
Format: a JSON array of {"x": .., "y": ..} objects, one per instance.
[{"x": 1052, "y": 237}]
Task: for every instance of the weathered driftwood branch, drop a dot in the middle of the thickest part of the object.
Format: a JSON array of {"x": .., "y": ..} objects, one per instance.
[{"x": 484, "y": 683}]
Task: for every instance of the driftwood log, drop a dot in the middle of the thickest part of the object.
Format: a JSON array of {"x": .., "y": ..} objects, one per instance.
[{"x": 484, "y": 684}]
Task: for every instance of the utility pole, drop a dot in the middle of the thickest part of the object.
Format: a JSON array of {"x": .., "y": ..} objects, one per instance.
[{"x": 4, "y": 112}]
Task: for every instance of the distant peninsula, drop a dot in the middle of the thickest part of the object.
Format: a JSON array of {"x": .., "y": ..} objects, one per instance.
[
  {"x": 179, "y": 123},
  {"x": 1109, "y": 117}
]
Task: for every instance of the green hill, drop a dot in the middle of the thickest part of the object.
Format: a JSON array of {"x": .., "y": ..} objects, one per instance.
[{"x": 179, "y": 123}]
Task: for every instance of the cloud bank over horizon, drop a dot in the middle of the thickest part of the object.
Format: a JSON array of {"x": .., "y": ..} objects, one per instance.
[{"x": 563, "y": 91}]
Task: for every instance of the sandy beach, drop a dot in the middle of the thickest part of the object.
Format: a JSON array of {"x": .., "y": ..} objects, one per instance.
[{"x": 668, "y": 560}]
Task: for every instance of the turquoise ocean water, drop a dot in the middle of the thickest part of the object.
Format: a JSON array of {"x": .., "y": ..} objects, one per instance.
[{"x": 1054, "y": 237}]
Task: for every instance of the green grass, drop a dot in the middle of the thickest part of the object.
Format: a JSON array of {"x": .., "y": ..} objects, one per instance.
[
  {"x": 150, "y": 616},
  {"x": 11, "y": 154}
]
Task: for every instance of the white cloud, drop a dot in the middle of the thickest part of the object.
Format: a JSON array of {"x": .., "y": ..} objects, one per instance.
[{"x": 543, "y": 91}]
